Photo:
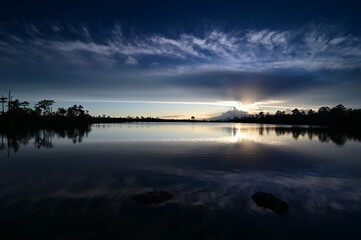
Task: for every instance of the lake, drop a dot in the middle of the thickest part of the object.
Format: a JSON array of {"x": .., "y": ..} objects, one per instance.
[{"x": 78, "y": 183}]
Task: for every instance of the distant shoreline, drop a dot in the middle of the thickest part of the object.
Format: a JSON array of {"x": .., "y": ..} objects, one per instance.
[{"x": 49, "y": 122}]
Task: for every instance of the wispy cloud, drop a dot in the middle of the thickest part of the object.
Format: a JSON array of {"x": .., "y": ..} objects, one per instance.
[{"x": 309, "y": 48}]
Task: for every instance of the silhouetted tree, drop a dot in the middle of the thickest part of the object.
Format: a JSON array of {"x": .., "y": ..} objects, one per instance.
[
  {"x": 61, "y": 111},
  {"x": 296, "y": 112},
  {"x": 280, "y": 113},
  {"x": 17, "y": 106},
  {"x": 24, "y": 104},
  {"x": 323, "y": 110},
  {"x": 14, "y": 105},
  {"x": 44, "y": 107},
  {"x": 338, "y": 109},
  {"x": 76, "y": 111},
  {"x": 3, "y": 101}
]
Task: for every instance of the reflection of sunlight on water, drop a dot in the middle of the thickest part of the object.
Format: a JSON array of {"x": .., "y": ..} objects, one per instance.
[
  {"x": 221, "y": 133},
  {"x": 239, "y": 134}
]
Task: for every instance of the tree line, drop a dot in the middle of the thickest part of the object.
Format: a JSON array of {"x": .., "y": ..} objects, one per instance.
[
  {"x": 42, "y": 108},
  {"x": 15, "y": 113},
  {"x": 335, "y": 116}
]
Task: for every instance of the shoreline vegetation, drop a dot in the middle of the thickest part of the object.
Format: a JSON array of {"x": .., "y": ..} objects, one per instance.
[{"x": 19, "y": 114}]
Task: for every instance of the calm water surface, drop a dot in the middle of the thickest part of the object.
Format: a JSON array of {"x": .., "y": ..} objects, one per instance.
[{"x": 77, "y": 183}]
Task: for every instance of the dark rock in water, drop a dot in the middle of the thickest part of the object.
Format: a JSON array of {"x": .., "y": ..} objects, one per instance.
[
  {"x": 269, "y": 201},
  {"x": 152, "y": 197}
]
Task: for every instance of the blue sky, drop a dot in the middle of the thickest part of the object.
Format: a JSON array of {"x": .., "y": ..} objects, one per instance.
[{"x": 181, "y": 59}]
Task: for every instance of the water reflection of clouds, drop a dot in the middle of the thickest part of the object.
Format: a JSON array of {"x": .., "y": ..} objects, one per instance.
[
  {"x": 303, "y": 190},
  {"x": 313, "y": 194}
]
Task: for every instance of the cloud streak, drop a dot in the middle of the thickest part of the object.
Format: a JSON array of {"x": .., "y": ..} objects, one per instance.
[{"x": 311, "y": 47}]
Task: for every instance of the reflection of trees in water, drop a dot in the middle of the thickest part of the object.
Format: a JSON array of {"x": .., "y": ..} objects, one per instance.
[
  {"x": 76, "y": 135},
  {"x": 335, "y": 135},
  {"x": 11, "y": 140},
  {"x": 43, "y": 138}
]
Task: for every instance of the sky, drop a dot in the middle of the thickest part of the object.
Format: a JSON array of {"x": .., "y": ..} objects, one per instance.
[{"x": 177, "y": 59}]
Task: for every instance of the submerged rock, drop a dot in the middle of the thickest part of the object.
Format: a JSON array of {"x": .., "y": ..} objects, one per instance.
[
  {"x": 152, "y": 197},
  {"x": 269, "y": 201}
]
